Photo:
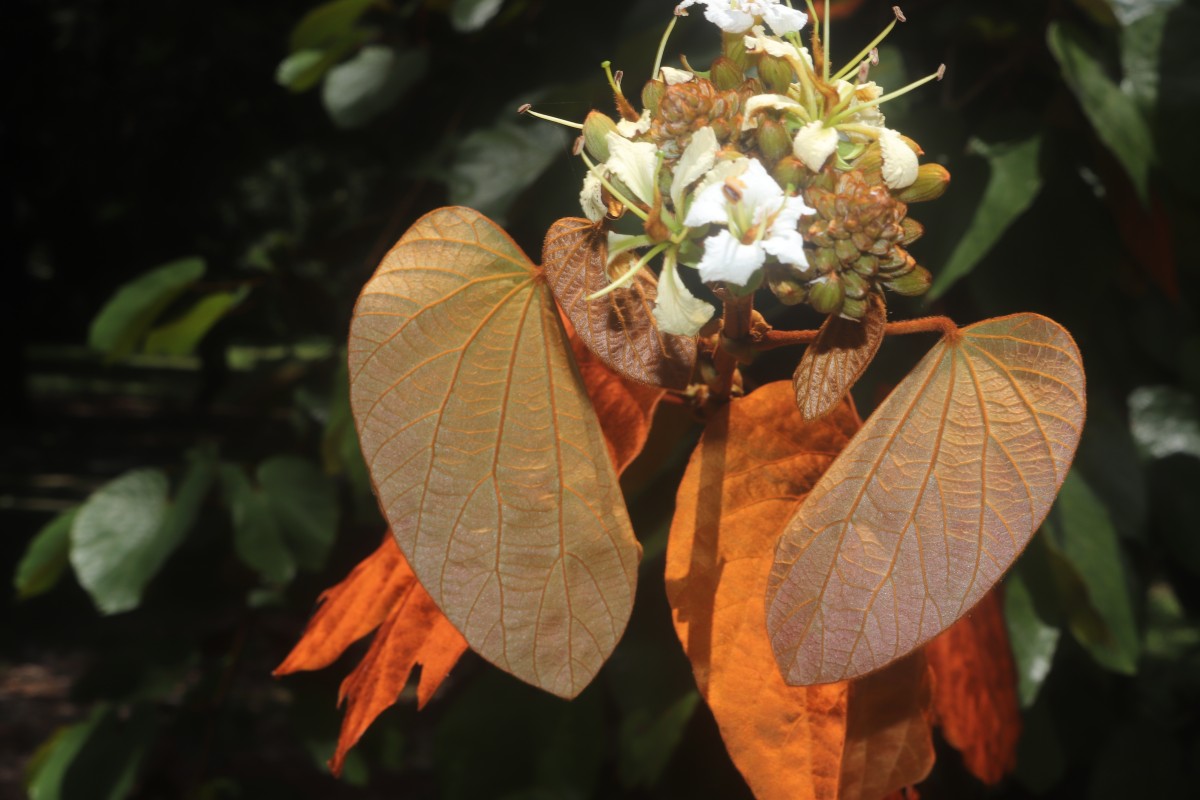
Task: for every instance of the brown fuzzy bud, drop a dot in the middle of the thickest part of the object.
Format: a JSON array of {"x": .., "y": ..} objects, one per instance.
[{"x": 595, "y": 134}]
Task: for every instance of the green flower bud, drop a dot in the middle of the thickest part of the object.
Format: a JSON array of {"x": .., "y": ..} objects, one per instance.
[
  {"x": 733, "y": 47},
  {"x": 913, "y": 283},
  {"x": 913, "y": 230},
  {"x": 775, "y": 74},
  {"x": 773, "y": 140},
  {"x": 652, "y": 95},
  {"x": 854, "y": 308},
  {"x": 726, "y": 74},
  {"x": 930, "y": 184},
  {"x": 825, "y": 295},
  {"x": 846, "y": 251},
  {"x": 596, "y": 128},
  {"x": 786, "y": 283},
  {"x": 866, "y": 266},
  {"x": 824, "y": 260},
  {"x": 855, "y": 285},
  {"x": 790, "y": 171}
]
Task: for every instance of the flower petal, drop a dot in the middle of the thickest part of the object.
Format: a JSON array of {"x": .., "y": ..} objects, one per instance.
[
  {"x": 709, "y": 205},
  {"x": 677, "y": 310},
  {"x": 788, "y": 246},
  {"x": 698, "y": 158},
  {"x": 673, "y": 76},
  {"x": 630, "y": 129},
  {"x": 590, "y": 199},
  {"x": 763, "y": 102},
  {"x": 760, "y": 192},
  {"x": 634, "y": 163},
  {"x": 727, "y": 259},
  {"x": 783, "y": 19},
  {"x": 899, "y": 161},
  {"x": 814, "y": 144}
]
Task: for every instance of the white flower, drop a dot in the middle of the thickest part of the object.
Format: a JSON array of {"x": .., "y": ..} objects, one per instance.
[
  {"x": 635, "y": 163},
  {"x": 899, "y": 161},
  {"x": 738, "y": 16},
  {"x": 590, "y": 198},
  {"x": 630, "y": 129},
  {"x": 697, "y": 159},
  {"x": 760, "y": 220},
  {"x": 677, "y": 310},
  {"x": 672, "y": 76},
  {"x": 757, "y": 41},
  {"x": 814, "y": 144},
  {"x": 762, "y": 102}
]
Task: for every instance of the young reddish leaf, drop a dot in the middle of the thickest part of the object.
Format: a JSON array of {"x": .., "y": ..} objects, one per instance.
[
  {"x": 931, "y": 503},
  {"x": 486, "y": 454},
  {"x": 381, "y": 589},
  {"x": 975, "y": 690},
  {"x": 837, "y": 359},
  {"x": 625, "y": 408},
  {"x": 618, "y": 327},
  {"x": 754, "y": 464}
]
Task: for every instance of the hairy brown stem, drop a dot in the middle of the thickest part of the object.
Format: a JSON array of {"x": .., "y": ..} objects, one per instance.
[
  {"x": 735, "y": 327},
  {"x": 943, "y": 325}
]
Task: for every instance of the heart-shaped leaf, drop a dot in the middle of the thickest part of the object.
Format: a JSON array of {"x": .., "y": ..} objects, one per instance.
[
  {"x": 486, "y": 454},
  {"x": 619, "y": 327},
  {"x": 930, "y": 504},
  {"x": 831, "y": 365}
]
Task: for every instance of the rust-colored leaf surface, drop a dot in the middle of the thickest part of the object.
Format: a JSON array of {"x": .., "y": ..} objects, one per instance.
[
  {"x": 618, "y": 327},
  {"x": 381, "y": 592},
  {"x": 832, "y": 364},
  {"x": 754, "y": 464},
  {"x": 929, "y": 505},
  {"x": 486, "y": 455},
  {"x": 975, "y": 690},
  {"x": 625, "y": 408}
]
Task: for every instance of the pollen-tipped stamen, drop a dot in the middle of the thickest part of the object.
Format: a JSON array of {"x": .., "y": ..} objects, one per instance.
[
  {"x": 852, "y": 110},
  {"x": 854, "y": 63},
  {"x": 528, "y": 109}
]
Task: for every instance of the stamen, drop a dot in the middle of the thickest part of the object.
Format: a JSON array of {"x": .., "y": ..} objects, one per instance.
[
  {"x": 612, "y": 82},
  {"x": 869, "y": 49},
  {"x": 628, "y": 277},
  {"x": 662, "y": 45},
  {"x": 828, "y": 44},
  {"x": 619, "y": 76},
  {"x": 899, "y": 14},
  {"x": 528, "y": 109},
  {"x": 622, "y": 199},
  {"x": 849, "y": 112},
  {"x": 577, "y": 148}
]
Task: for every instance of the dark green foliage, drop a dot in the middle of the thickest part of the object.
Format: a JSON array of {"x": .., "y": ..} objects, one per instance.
[{"x": 182, "y": 478}]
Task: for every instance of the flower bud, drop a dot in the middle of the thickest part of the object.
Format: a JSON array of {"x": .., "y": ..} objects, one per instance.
[
  {"x": 652, "y": 95},
  {"x": 775, "y": 73},
  {"x": 913, "y": 230},
  {"x": 855, "y": 285},
  {"x": 854, "y": 308},
  {"x": 866, "y": 265},
  {"x": 786, "y": 282},
  {"x": 596, "y": 128},
  {"x": 789, "y": 171},
  {"x": 726, "y": 74},
  {"x": 733, "y": 47},
  {"x": 913, "y": 283},
  {"x": 773, "y": 140},
  {"x": 825, "y": 295},
  {"x": 930, "y": 184}
]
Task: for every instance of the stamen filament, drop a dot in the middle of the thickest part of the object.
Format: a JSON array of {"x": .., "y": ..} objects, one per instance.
[
  {"x": 865, "y": 52},
  {"x": 849, "y": 112},
  {"x": 826, "y": 45},
  {"x": 528, "y": 109},
  {"x": 622, "y": 199},
  {"x": 628, "y": 277},
  {"x": 612, "y": 82},
  {"x": 662, "y": 47}
]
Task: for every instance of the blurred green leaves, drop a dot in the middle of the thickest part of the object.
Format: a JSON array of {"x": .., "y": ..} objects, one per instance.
[
  {"x": 46, "y": 557},
  {"x": 97, "y": 758},
  {"x": 470, "y": 15},
  {"x": 1114, "y": 115},
  {"x": 357, "y": 91},
  {"x": 130, "y": 312},
  {"x": 492, "y": 166},
  {"x": 1012, "y": 186},
  {"x": 287, "y": 521}
]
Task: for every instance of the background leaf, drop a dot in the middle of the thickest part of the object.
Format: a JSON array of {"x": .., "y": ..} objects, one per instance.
[
  {"x": 1013, "y": 183},
  {"x": 46, "y": 557},
  {"x": 471, "y": 15},
  {"x": 130, "y": 312},
  {"x": 493, "y": 165},
  {"x": 180, "y": 336},
  {"x": 369, "y": 84}
]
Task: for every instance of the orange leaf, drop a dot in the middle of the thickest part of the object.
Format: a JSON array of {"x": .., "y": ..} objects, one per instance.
[
  {"x": 625, "y": 408},
  {"x": 930, "y": 504},
  {"x": 415, "y": 632},
  {"x": 486, "y": 454},
  {"x": 832, "y": 364},
  {"x": 755, "y": 462},
  {"x": 352, "y": 609},
  {"x": 618, "y": 327},
  {"x": 975, "y": 690}
]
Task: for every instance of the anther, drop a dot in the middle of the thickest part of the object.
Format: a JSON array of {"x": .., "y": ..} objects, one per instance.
[
  {"x": 874, "y": 56},
  {"x": 577, "y": 148},
  {"x": 941, "y": 71},
  {"x": 524, "y": 108},
  {"x": 899, "y": 14}
]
